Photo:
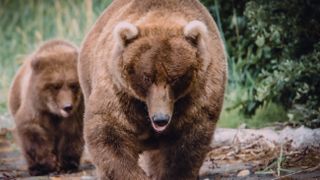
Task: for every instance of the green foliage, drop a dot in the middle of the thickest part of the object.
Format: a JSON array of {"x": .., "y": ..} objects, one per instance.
[
  {"x": 265, "y": 115},
  {"x": 273, "y": 49},
  {"x": 296, "y": 85},
  {"x": 289, "y": 68}
]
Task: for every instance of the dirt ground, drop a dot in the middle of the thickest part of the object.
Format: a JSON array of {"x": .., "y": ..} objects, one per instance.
[{"x": 255, "y": 158}]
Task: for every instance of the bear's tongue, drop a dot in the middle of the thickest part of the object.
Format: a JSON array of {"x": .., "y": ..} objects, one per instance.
[{"x": 64, "y": 113}]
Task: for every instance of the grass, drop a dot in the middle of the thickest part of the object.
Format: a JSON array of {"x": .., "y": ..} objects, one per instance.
[
  {"x": 265, "y": 116},
  {"x": 25, "y": 25}
]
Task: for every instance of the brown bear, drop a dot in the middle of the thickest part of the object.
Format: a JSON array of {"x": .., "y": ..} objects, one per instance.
[
  {"x": 153, "y": 73},
  {"x": 46, "y": 103}
]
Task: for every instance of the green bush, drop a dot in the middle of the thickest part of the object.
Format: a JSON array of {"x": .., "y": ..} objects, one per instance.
[{"x": 273, "y": 49}]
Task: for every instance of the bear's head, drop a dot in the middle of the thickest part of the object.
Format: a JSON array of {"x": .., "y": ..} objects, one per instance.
[
  {"x": 55, "y": 84},
  {"x": 159, "y": 65}
]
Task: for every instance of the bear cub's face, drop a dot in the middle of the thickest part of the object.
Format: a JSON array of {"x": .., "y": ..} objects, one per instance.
[
  {"x": 56, "y": 83},
  {"x": 158, "y": 69}
]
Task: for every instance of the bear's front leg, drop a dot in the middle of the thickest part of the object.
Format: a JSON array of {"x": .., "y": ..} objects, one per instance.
[
  {"x": 70, "y": 151},
  {"x": 113, "y": 148},
  {"x": 182, "y": 159},
  {"x": 38, "y": 149}
]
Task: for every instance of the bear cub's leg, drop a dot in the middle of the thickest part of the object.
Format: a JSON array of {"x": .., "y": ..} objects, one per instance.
[
  {"x": 70, "y": 151},
  {"x": 38, "y": 149}
]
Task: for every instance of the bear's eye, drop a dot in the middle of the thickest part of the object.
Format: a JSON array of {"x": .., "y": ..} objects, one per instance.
[
  {"x": 147, "y": 79},
  {"x": 180, "y": 84},
  {"x": 74, "y": 87},
  {"x": 54, "y": 87},
  {"x": 130, "y": 70}
]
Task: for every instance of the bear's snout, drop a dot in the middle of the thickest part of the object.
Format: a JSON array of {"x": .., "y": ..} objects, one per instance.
[
  {"x": 160, "y": 106},
  {"x": 161, "y": 119},
  {"x": 68, "y": 108}
]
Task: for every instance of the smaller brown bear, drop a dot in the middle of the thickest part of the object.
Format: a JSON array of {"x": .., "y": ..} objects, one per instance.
[{"x": 46, "y": 102}]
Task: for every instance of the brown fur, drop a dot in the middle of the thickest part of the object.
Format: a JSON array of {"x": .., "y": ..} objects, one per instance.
[
  {"x": 160, "y": 69},
  {"x": 51, "y": 138}
]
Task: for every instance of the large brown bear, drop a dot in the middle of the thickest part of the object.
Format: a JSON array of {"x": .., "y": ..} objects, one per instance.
[
  {"x": 47, "y": 105},
  {"x": 153, "y": 74}
]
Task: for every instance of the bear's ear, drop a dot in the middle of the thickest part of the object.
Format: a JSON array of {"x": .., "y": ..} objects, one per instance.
[
  {"x": 194, "y": 31},
  {"x": 37, "y": 64},
  {"x": 124, "y": 32}
]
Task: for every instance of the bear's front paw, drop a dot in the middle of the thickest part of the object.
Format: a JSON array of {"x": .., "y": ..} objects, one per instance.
[
  {"x": 69, "y": 164},
  {"x": 43, "y": 166},
  {"x": 41, "y": 169}
]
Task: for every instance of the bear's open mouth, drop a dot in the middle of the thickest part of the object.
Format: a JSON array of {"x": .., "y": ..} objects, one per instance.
[
  {"x": 64, "y": 113},
  {"x": 159, "y": 126},
  {"x": 160, "y": 121}
]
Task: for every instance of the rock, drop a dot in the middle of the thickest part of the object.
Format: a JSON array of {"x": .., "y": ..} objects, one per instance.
[
  {"x": 88, "y": 178},
  {"x": 298, "y": 138},
  {"x": 243, "y": 173},
  {"x": 301, "y": 137}
]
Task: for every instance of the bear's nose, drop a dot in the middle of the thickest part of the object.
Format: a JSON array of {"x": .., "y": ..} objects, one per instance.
[
  {"x": 67, "y": 108},
  {"x": 160, "y": 119}
]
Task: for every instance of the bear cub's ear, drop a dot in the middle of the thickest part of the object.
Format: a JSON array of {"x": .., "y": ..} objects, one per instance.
[
  {"x": 37, "y": 64},
  {"x": 194, "y": 31},
  {"x": 124, "y": 32}
]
